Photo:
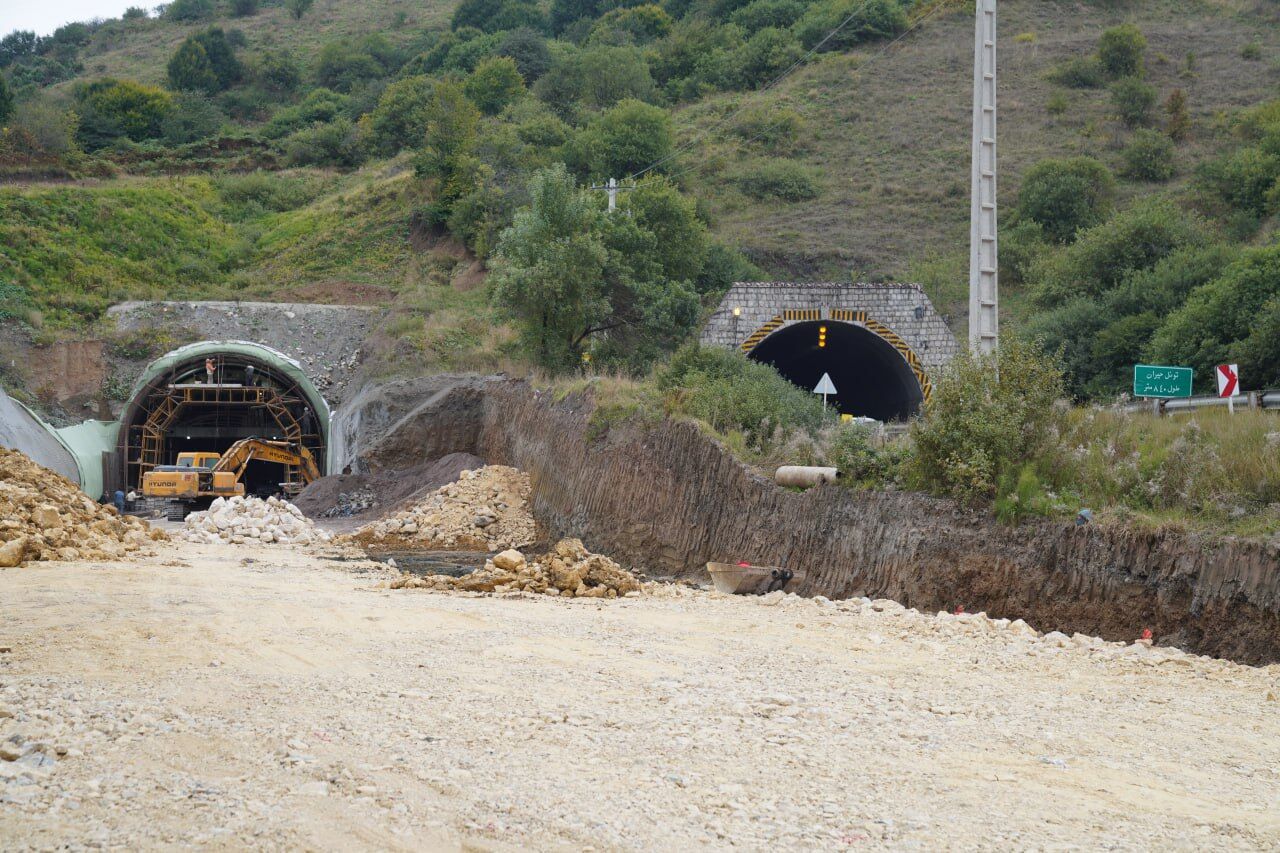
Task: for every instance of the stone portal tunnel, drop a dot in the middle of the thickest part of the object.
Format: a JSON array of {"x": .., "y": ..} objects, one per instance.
[{"x": 879, "y": 342}]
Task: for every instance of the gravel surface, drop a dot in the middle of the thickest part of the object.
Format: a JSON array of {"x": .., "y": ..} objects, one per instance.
[{"x": 269, "y": 698}]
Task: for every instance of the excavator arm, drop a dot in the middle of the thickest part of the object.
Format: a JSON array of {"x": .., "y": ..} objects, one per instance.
[{"x": 244, "y": 451}]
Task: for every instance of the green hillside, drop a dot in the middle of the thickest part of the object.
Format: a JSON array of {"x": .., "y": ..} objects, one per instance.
[{"x": 376, "y": 151}]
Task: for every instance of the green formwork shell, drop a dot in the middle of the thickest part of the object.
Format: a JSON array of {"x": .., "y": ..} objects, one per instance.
[{"x": 88, "y": 441}]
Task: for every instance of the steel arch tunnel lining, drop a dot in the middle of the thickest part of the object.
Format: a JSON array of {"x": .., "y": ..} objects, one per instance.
[{"x": 872, "y": 378}]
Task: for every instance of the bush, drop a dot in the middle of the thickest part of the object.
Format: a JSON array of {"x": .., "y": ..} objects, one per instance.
[
  {"x": 1104, "y": 255},
  {"x": 1178, "y": 123},
  {"x": 320, "y": 105},
  {"x": 244, "y": 8},
  {"x": 1120, "y": 51},
  {"x": 52, "y": 127},
  {"x": 1057, "y": 104},
  {"x": 731, "y": 393},
  {"x": 347, "y": 63},
  {"x": 332, "y": 144},
  {"x": 6, "y": 102},
  {"x": 1133, "y": 100},
  {"x": 977, "y": 427},
  {"x": 721, "y": 267},
  {"x": 596, "y": 78},
  {"x": 278, "y": 71},
  {"x": 1149, "y": 157},
  {"x": 298, "y": 8},
  {"x": 494, "y": 84},
  {"x": 255, "y": 193},
  {"x": 631, "y": 25},
  {"x": 872, "y": 20},
  {"x": 773, "y": 129},
  {"x": 1083, "y": 72},
  {"x": 190, "y": 119},
  {"x": 400, "y": 119},
  {"x": 765, "y": 54},
  {"x": 781, "y": 179},
  {"x": 1251, "y": 51},
  {"x": 1064, "y": 196},
  {"x": 767, "y": 13},
  {"x": 1243, "y": 180},
  {"x": 110, "y": 109},
  {"x": 492, "y": 16},
  {"x": 189, "y": 10},
  {"x": 190, "y": 69}
]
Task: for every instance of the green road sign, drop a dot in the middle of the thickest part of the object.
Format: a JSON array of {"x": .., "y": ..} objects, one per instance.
[{"x": 1150, "y": 380}]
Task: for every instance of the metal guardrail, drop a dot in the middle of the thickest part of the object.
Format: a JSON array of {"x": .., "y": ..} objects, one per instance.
[{"x": 1251, "y": 400}]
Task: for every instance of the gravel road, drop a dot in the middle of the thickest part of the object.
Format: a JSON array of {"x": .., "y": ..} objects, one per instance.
[{"x": 270, "y": 698}]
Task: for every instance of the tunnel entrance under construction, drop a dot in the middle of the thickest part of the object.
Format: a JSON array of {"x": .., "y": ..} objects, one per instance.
[
  {"x": 208, "y": 396},
  {"x": 871, "y": 377}
]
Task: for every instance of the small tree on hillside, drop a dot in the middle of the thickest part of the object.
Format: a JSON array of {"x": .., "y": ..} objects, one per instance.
[
  {"x": 6, "y": 102},
  {"x": 1064, "y": 196},
  {"x": 1133, "y": 100},
  {"x": 1120, "y": 50},
  {"x": 189, "y": 10},
  {"x": 244, "y": 8},
  {"x": 190, "y": 69},
  {"x": 298, "y": 8},
  {"x": 495, "y": 83},
  {"x": 1178, "y": 123}
]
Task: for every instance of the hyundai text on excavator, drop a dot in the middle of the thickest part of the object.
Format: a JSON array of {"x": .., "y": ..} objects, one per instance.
[{"x": 199, "y": 477}]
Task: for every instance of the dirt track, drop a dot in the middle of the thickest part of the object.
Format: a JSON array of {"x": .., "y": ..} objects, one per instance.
[{"x": 286, "y": 702}]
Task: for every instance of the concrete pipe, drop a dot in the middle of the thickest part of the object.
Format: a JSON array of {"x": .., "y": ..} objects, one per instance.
[{"x": 804, "y": 476}]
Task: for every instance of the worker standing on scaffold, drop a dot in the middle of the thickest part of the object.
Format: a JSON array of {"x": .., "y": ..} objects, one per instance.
[{"x": 209, "y": 368}]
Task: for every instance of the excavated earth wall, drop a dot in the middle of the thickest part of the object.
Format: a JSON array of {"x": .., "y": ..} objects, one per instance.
[{"x": 670, "y": 499}]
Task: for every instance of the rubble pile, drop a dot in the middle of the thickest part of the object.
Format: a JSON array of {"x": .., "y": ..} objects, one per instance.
[
  {"x": 485, "y": 510},
  {"x": 351, "y": 503},
  {"x": 239, "y": 519},
  {"x": 570, "y": 570},
  {"x": 45, "y": 516}
]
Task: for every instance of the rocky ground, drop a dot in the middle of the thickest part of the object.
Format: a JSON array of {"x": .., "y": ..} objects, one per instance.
[{"x": 263, "y": 697}]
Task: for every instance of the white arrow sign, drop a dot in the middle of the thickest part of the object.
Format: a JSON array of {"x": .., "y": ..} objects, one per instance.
[{"x": 825, "y": 387}]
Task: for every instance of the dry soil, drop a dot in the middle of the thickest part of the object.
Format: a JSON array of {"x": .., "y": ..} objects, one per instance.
[{"x": 268, "y": 698}]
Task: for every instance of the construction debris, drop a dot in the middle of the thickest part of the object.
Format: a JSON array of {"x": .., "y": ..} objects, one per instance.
[
  {"x": 45, "y": 516},
  {"x": 351, "y": 503},
  {"x": 570, "y": 570},
  {"x": 239, "y": 519},
  {"x": 485, "y": 510}
]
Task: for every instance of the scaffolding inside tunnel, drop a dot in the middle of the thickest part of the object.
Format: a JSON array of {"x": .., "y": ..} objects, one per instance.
[{"x": 209, "y": 400}]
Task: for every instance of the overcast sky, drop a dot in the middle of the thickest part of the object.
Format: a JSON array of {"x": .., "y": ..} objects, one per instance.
[{"x": 45, "y": 16}]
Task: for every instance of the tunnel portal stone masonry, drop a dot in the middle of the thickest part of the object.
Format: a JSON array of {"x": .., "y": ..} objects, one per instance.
[{"x": 901, "y": 314}]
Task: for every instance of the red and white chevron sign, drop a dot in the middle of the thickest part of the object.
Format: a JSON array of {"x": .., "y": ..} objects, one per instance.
[{"x": 1228, "y": 380}]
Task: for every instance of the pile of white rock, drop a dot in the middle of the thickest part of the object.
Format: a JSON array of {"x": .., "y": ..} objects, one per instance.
[{"x": 239, "y": 519}]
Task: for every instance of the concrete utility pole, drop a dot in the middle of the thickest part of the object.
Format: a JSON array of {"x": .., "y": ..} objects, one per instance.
[
  {"x": 984, "y": 291},
  {"x": 611, "y": 187}
]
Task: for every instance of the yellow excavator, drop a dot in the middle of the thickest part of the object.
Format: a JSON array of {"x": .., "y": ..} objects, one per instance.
[{"x": 200, "y": 476}]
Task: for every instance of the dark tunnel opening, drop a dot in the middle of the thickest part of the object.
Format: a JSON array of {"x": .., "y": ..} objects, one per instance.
[
  {"x": 248, "y": 398},
  {"x": 872, "y": 379}
]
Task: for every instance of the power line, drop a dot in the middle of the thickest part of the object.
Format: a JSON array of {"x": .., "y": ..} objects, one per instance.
[
  {"x": 786, "y": 73},
  {"x": 770, "y": 126}
]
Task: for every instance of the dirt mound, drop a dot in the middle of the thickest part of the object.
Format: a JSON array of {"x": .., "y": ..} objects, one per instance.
[
  {"x": 485, "y": 510},
  {"x": 324, "y": 498},
  {"x": 570, "y": 570},
  {"x": 44, "y": 516},
  {"x": 239, "y": 519}
]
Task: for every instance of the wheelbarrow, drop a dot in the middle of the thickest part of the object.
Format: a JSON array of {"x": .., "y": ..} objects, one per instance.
[{"x": 744, "y": 579}]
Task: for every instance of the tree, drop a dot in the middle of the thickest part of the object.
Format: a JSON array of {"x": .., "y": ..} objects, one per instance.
[
  {"x": 596, "y": 78},
  {"x": 298, "y": 8},
  {"x": 191, "y": 118},
  {"x": 1178, "y": 124},
  {"x": 347, "y": 63},
  {"x": 549, "y": 270},
  {"x": 278, "y": 71},
  {"x": 631, "y": 25},
  {"x": 681, "y": 242},
  {"x": 530, "y": 52},
  {"x": 400, "y": 119},
  {"x": 17, "y": 46},
  {"x": 447, "y": 153},
  {"x": 1064, "y": 196},
  {"x": 765, "y": 54},
  {"x": 1133, "y": 100},
  {"x": 244, "y": 8},
  {"x": 624, "y": 140},
  {"x": 190, "y": 69},
  {"x": 1120, "y": 51},
  {"x": 6, "y": 102},
  {"x": 495, "y": 83},
  {"x": 1243, "y": 180}
]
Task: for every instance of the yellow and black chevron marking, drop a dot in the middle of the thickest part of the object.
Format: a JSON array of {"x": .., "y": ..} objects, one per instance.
[
  {"x": 908, "y": 353},
  {"x": 793, "y": 315},
  {"x": 761, "y": 333},
  {"x": 848, "y": 315}
]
